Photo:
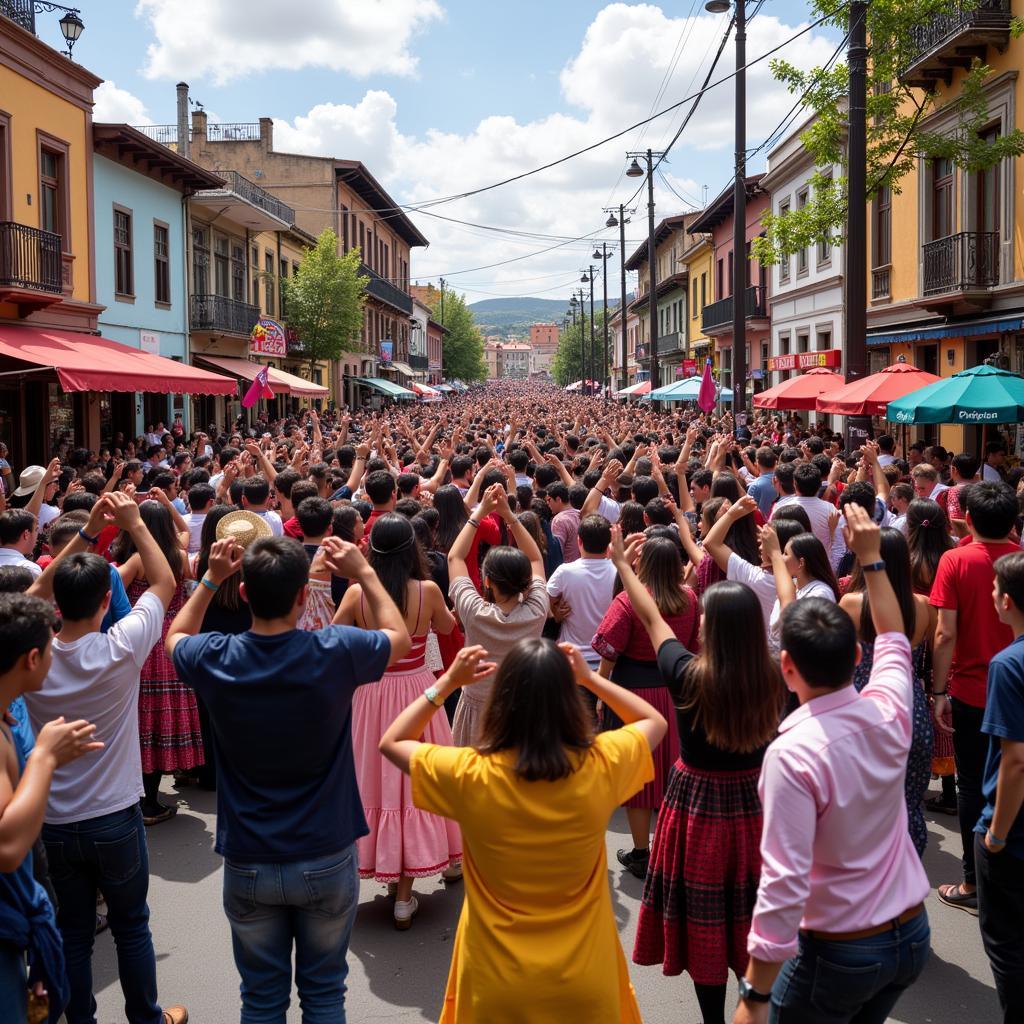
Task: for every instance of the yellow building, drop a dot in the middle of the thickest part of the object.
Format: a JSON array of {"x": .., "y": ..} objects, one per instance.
[
  {"x": 698, "y": 258},
  {"x": 946, "y": 255}
]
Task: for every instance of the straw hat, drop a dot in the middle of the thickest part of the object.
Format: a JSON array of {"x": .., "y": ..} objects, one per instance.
[
  {"x": 28, "y": 480},
  {"x": 243, "y": 526}
]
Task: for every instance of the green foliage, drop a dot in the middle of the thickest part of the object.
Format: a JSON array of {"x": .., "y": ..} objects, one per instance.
[
  {"x": 895, "y": 113},
  {"x": 462, "y": 351},
  {"x": 325, "y": 299},
  {"x": 567, "y": 362}
]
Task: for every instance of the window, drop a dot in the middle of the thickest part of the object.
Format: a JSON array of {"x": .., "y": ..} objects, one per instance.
[
  {"x": 53, "y": 198},
  {"x": 802, "y": 342},
  {"x": 988, "y": 183},
  {"x": 268, "y": 263},
  {"x": 254, "y": 274},
  {"x": 694, "y": 303},
  {"x": 123, "y": 284},
  {"x": 200, "y": 261},
  {"x": 362, "y": 241},
  {"x": 825, "y": 245},
  {"x": 784, "y": 208},
  {"x": 344, "y": 229},
  {"x": 238, "y": 271},
  {"x": 5, "y": 167},
  {"x": 882, "y": 228},
  {"x": 943, "y": 199},
  {"x": 801, "y": 256},
  {"x": 732, "y": 272},
  {"x": 824, "y": 340},
  {"x": 295, "y": 269},
  {"x": 720, "y": 280},
  {"x": 161, "y": 264},
  {"x": 703, "y": 290},
  {"x": 221, "y": 268},
  {"x": 284, "y": 277}
]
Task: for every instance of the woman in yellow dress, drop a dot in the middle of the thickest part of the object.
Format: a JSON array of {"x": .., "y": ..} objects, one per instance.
[{"x": 537, "y": 939}]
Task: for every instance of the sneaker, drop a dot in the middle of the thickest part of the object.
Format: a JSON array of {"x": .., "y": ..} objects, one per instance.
[
  {"x": 405, "y": 911},
  {"x": 175, "y": 1015},
  {"x": 452, "y": 874},
  {"x": 634, "y": 862}
]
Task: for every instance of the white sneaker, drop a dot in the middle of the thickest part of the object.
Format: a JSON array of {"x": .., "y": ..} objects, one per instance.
[{"x": 405, "y": 911}]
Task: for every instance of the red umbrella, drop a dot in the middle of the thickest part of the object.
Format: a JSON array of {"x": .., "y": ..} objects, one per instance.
[
  {"x": 799, "y": 392},
  {"x": 870, "y": 395}
]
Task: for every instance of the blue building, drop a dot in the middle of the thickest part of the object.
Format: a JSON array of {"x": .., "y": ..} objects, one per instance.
[{"x": 138, "y": 217}]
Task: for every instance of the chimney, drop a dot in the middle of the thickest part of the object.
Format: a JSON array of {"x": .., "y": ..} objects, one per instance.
[{"x": 183, "y": 146}]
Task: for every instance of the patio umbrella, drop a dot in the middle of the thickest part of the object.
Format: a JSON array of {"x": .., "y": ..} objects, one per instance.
[
  {"x": 635, "y": 390},
  {"x": 686, "y": 391},
  {"x": 869, "y": 396},
  {"x": 799, "y": 392},
  {"x": 982, "y": 394},
  {"x": 425, "y": 392}
]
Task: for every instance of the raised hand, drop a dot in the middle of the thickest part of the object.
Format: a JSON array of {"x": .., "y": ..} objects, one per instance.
[
  {"x": 225, "y": 560},
  {"x": 470, "y": 667}
]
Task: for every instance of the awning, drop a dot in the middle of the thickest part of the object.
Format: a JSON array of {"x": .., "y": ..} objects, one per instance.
[
  {"x": 426, "y": 393},
  {"x": 403, "y": 368},
  {"x": 387, "y": 387},
  {"x": 447, "y": 388},
  {"x": 281, "y": 382},
  {"x": 642, "y": 388},
  {"x": 84, "y": 362},
  {"x": 967, "y": 329}
]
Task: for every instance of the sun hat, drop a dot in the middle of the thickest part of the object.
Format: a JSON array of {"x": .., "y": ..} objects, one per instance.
[
  {"x": 28, "y": 480},
  {"x": 243, "y": 526}
]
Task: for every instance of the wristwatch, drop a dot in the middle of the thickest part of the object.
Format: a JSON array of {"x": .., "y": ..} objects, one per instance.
[
  {"x": 432, "y": 693},
  {"x": 750, "y": 994}
]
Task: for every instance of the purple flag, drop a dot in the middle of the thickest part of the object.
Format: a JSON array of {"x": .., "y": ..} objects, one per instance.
[{"x": 706, "y": 395}]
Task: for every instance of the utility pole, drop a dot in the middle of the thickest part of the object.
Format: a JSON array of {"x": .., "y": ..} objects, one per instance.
[
  {"x": 858, "y": 428},
  {"x": 635, "y": 171},
  {"x": 604, "y": 350},
  {"x": 739, "y": 237},
  {"x": 593, "y": 351},
  {"x": 611, "y": 222}
]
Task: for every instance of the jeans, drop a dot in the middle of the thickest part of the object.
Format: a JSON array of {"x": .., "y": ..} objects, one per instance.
[
  {"x": 857, "y": 982},
  {"x": 309, "y": 904},
  {"x": 108, "y": 853},
  {"x": 13, "y": 983},
  {"x": 1000, "y": 915},
  {"x": 970, "y": 748}
]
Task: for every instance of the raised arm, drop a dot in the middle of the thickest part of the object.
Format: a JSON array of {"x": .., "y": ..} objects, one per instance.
[
  {"x": 784, "y": 584},
  {"x": 643, "y": 604},
  {"x": 260, "y": 456},
  {"x": 553, "y": 460},
  {"x": 714, "y": 542},
  {"x": 35, "y": 503},
  {"x": 608, "y": 478},
  {"x": 864, "y": 539},
  {"x": 100, "y": 515},
  {"x": 225, "y": 560},
  {"x": 523, "y": 540},
  {"x": 154, "y": 566}
]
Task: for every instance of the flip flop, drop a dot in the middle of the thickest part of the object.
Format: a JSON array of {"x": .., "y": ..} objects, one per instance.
[
  {"x": 155, "y": 819},
  {"x": 953, "y": 895}
]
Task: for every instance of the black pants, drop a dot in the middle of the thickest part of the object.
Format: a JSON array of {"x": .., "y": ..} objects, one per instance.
[
  {"x": 1000, "y": 914},
  {"x": 970, "y": 747}
]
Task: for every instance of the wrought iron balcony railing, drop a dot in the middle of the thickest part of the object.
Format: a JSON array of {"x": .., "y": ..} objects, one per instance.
[
  {"x": 219, "y": 313},
  {"x": 21, "y": 12},
  {"x": 976, "y": 22},
  {"x": 250, "y": 191},
  {"x": 719, "y": 314},
  {"x": 881, "y": 282},
  {"x": 30, "y": 258},
  {"x": 967, "y": 261},
  {"x": 382, "y": 289}
]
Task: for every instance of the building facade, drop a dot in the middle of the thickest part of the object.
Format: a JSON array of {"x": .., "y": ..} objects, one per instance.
[
  {"x": 698, "y": 256},
  {"x": 622, "y": 378},
  {"x": 544, "y": 340},
  {"x": 806, "y": 295},
  {"x": 506, "y": 358}
]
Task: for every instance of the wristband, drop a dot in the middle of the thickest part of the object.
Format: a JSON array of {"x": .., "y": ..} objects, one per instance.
[
  {"x": 939, "y": 693},
  {"x": 873, "y": 567},
  {"x": 87, "y": 538},
  {"x": 473, "y": 523},
  {"x": 993, "y": 841},
  {"x": 432, "y": 693},
  {"x": 210, "y": 585}
]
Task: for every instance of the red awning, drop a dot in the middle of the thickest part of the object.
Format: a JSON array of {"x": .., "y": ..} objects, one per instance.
[
  {"x": 281, "y": 382},
  {"x": 84, "y": 362}
]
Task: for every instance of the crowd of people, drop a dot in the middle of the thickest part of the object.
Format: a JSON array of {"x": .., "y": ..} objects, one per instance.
[{"x": 450, "y": 641}]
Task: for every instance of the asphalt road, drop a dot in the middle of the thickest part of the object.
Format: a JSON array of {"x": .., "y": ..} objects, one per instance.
[{"x": 400, "y": 977}]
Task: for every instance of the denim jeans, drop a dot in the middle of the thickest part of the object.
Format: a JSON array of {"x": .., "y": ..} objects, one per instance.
[
  {"x": 310, "y": 905},
  {"x": 856, "y": 982},
  {"x": 970, "y": 748},
  {"x": 1000, "y": 915},
  {"x": 13, "y": 983},
  {"x": 108, "y": 853}
]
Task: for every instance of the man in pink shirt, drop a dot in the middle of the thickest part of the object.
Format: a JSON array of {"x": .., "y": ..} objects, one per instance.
[{"x": 841, "y": 884}]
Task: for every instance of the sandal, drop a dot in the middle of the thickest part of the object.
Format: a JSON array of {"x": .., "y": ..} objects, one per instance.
[
  {"x": 164, "y": 814},
  {"x": 939, "y": 806},
  {"x": 953, "y": 895}
]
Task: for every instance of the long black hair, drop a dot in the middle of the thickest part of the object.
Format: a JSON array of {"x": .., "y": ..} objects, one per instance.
[
  {"x": 535, "y": 709},
  {"x": 228, "y": 595},
  {"x": 396, "y": 556},
  {"x": 453, "y": 515},
  {"x": 928, "y": 538},
  {"x": 157, "y": 519},
  {"x": 896, "y": 555},
  {"x": 807, "y": 547}
]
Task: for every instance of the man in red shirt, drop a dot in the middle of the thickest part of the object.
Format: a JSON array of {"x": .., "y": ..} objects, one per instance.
[
  {"x": 380, "y": 489},
  {"x": 968, "y": 636}
]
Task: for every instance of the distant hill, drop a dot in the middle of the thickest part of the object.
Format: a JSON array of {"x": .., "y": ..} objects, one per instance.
[{"x": 514, "y": 316}]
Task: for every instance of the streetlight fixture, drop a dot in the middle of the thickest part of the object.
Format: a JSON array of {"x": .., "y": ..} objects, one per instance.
[
  {"x": 71, "y": 24},
  {"x": 620, "y": 222},
  {"x": 635, "y": 171},
  {"x": 717, "y": 6},
  {"x": 588, "y": 278},
  {"x": 604, "y": 256}
]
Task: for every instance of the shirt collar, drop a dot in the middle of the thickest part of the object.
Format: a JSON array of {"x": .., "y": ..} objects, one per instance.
[{"x": 820, "y": 706}]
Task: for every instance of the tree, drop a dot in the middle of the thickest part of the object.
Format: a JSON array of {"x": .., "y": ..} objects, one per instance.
[
  {"x": 325, "y": 299},
  {"x": 462, "y": 352},
  {"x": 567, "y": 363},
  {"x": 896, "y": 112}
]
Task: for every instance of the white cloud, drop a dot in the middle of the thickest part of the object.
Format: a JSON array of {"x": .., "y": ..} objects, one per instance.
[
  {"x": 118, "y": 106},
  {"x": 224, "y": 40}
]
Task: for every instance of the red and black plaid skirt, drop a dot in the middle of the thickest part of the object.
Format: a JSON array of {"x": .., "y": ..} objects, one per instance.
[{"x": 702, "y": 881}]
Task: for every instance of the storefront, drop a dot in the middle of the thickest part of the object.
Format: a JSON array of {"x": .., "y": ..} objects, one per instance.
[{"x": 290, "y": 391}]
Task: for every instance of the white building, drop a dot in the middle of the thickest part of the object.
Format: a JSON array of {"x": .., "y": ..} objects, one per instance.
[{"x": 806, "y": 295}]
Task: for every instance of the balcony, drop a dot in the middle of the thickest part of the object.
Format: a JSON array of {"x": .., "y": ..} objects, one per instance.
[
  {"x": 384, "y": 291},
  {"x": 716, "y": 317},
  {"x": 244, "y": 202},
  {"x": 881, "y": 283},
  {"x": 953, "y": 40},
  {"x": 960, "y": 270},
  {"x": 21, "y": 12},
  {"x": 671, "y": 344},
  {"x": 418, "y": 362},
  {"x": 31, "y": 267},
  {"x": 220, "y": 315}
]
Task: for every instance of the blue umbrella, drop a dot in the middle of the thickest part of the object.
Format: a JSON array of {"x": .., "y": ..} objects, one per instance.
[
  {"x": 685, "y": 391},
  {"x": 982, "y": 394}
]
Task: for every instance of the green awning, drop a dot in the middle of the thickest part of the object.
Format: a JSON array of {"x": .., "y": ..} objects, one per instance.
[{"x": 389, "y": 388}]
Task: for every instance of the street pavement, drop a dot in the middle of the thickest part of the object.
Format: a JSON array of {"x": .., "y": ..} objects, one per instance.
[{"x": 400, "y": 976}]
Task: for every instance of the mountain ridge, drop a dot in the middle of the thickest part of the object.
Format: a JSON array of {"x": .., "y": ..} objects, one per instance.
[{"x": 513, "y": 316}]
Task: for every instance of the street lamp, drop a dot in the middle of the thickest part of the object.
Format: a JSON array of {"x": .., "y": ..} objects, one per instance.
[
  {"x": 620, "y": 222},
  {"x": 71, "y": 24},
  {"x": 588, "y": 278},
  {"x": 636, "y": 171},
  {"x": 604, "y": 256},
  {"x": 739, "y": 235}
]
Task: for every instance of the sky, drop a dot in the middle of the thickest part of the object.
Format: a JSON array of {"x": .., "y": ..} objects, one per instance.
[{"x": 440, "y": 97}]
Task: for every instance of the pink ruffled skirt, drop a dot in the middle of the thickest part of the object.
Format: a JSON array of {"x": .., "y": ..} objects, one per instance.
[{"x": 403, "y": 840}]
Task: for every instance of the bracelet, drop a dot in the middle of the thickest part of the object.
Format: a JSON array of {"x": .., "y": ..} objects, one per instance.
[
  {"x": 939, "y": 693},
  {"x": 87, "y": 538},
  {"x": 473, "y": 523},
  {"x": 210, "y": 585},
  {"x": 993, "y": 840}
]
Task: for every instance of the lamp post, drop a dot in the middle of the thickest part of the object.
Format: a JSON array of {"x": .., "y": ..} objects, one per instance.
[
  {"x": 604, "y": 256},
  {"x": 739, "y": 236},
  {"x": 620, "y": 222},
  {"x": 572, "y": 308},
  {"x": 588, "y": 278},
  {"x": 71, "y": 24},
  {"x": 636, "y": 171}
]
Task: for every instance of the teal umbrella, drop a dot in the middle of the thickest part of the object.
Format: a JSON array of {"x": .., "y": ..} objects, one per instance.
[
  {"x": 685, "y": 391},
  {"x": 982, "y": 394}
]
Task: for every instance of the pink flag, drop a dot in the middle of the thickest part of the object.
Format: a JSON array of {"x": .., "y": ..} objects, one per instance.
[
  {"x": 260, "y": 388},
  {"x": 706, "y": 395}
]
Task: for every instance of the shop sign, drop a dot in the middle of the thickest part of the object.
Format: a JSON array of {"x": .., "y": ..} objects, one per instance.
[
  {"x": 806, "y": 360},
  {"x": 293, "y": 340},
  {"x": 268, "y": 338},
  {"x": 149, "y": 342},
  {"x": 387, "y": 350},
  {"x": 689, "y": 367}
]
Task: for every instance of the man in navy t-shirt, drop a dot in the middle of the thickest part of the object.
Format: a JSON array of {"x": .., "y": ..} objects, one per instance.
[
  {"x": 999, "y": 834},
  {"x": 288, "y": 807}
]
